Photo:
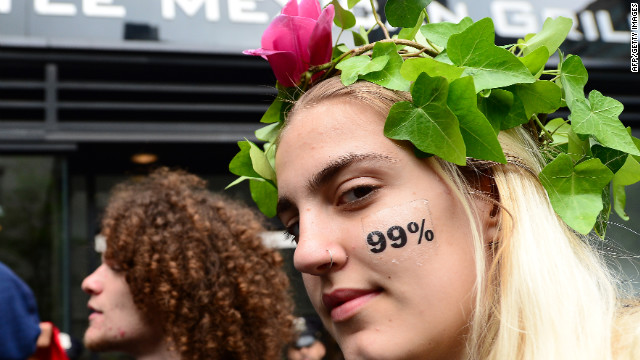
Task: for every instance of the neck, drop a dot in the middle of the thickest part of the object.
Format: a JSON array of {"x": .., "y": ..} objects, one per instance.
[{"x": 162, "y": 352}]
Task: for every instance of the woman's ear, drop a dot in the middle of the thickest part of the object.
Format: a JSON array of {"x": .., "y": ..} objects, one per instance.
[{"x": 487, "y": 201}]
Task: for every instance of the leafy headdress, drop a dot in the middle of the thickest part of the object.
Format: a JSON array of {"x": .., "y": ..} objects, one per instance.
[{"x": 464, "y": 88}]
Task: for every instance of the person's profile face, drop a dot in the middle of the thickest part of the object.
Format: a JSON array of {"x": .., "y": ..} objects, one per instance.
[
  {"x": 115, "y": 323},
  {"x": 383, "y": 244}
]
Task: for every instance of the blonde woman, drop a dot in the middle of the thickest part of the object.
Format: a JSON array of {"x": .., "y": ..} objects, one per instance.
[
  {"x": 496, "y": 273},
  {"x": 438, "y": 211}
]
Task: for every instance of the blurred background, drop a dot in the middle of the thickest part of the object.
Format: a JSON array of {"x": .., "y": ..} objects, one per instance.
[{"x": 93, "y": 92}]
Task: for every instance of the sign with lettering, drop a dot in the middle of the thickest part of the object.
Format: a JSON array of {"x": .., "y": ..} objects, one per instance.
[{"x": 230, "y": 26}]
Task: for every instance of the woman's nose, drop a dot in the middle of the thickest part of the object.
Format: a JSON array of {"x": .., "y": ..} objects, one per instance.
[{"x": 319, "y": 250}]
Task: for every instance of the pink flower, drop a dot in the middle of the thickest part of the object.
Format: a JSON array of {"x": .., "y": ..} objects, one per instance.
[{"x": 297, "y": 39}]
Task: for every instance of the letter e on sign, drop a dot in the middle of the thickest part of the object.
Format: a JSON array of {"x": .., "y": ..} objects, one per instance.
[
  {"x": 48, "y": 7},
  {"x": 103, "y": 8}
]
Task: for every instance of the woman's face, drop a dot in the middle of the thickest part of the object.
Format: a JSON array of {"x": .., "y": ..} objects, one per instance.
[{"x": 383, "y": 244}]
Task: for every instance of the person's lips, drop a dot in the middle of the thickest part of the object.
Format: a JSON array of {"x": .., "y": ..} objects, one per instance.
[
  {"x": 344, "y": 303},
  {"x": 93, "y": 312}
]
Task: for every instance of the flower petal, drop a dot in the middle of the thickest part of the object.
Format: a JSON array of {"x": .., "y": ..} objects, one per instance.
[
  {"x": 291, "y": 8},
  {"x": 289, "y": 33},
  {"x": 256, "y": 52},
  {"x": 310, "y": 9},
  {"x": 320, "y": 43},
  {"x": 285, "y": 67}
]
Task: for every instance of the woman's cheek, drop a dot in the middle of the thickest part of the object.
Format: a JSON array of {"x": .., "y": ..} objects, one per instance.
[{"x": 395, "y": 233}]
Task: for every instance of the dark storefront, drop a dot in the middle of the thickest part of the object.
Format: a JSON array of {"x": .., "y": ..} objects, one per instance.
[{"x": 86, "y": 85}]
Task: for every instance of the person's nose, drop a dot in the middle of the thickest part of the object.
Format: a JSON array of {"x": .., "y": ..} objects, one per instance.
[
  {"x": 92, "y": 284},
  {"x": 320, "y": 247}
]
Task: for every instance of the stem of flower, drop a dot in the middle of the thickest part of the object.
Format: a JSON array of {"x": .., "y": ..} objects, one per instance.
[
  {"x": 544, "y": 130},
  {"x": 414, "y": 54},
  {"x": 558, "y": 128},
  {"x": 378, "y": 21},
  {"x": 363, "y": 49},
  {"x": 338, "y": 38},
  {"x": 413, "y": 44}
]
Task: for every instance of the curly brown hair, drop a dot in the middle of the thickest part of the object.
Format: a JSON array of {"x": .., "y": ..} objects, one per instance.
[{"x": 196, "y": 266}]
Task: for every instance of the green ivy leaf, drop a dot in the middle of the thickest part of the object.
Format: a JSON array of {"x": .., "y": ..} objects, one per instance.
[
  {"x": 573, "y": 77},
  {"x": 274, "y": 113},
  {"x": 352, "y": 3},
  {"x": 390, "y": 76},
  {"x": 553, "y": 33},
  {"x": 479, "y": 137},
  {"x": 241, "y": 163},
  {"x": 270, "y": 132},
  {"x": 363, "y": 32},
  {"x": 619, "y": 200},
  {"x": 238, "y": 181},
  {"x": 428, "y": 122},
  {"x": 577, "y": 148},
  {"x": 628, "y": 174},
  {"x": 575, "y": 192},
  {"x": 343, "y": 18},
  {"x": 404, "y": 13},
  {"x": 539, "y": 97},
  {"x": 265, "y": 195},
  {"x": 339, "y": 50},
  {"x": 536, "y": 60},
  {"x": 495, "y": 107},
  {"x": 411, "y": 68},
  {"x": 599, "y": 117},
  {"x": 360, "y": 65},
  {"x": 439, "y": 33},
  {"x": 489, "y": 65},
  {"x": 611, "y": 158},
  {"x": 260, "y": 162},
  {"x": 409, "y": 33},
  {"x": 601, "y": 222},
  {"x": 516, "y": 116},
  {"x": 443, "y": 57},
  {"x": 358, "y": 39},
  {"x": 559, "y": 129},
  {"x": 270, "y": 154}
]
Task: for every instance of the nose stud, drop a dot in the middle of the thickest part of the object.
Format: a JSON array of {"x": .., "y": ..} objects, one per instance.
[{"x": 330, "y": 258}]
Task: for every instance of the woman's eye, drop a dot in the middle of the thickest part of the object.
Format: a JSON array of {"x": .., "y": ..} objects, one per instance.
[
  {"x": 293, "y": 232},
  {"x": 356, "y": 194}
]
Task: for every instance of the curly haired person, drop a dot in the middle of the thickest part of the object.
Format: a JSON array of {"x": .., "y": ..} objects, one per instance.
[{"x": 185, "y": 276}]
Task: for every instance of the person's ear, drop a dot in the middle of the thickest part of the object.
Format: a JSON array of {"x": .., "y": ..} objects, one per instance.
[{"x": 488, "y": 205}]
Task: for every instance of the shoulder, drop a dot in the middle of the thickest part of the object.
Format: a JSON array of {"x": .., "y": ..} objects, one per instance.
[{"x": 626, "y": 332}]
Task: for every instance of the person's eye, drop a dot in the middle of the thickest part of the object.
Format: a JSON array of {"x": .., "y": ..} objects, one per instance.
[
  {"x": 356, "y": 194},
  {"x": 112, "y": 265},
  {"x": 293, "y": 232}
]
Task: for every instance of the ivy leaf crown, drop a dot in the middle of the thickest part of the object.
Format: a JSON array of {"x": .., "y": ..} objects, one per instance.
[{"x": 591, "y": 155}]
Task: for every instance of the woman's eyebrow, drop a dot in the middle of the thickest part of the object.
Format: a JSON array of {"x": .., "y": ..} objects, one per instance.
[
  {"x": 329, "y": 171},
  {"x": 334, "y": 167}
]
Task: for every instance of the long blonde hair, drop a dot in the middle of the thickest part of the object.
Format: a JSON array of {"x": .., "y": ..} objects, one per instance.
[{"x": 542, "y": 290}]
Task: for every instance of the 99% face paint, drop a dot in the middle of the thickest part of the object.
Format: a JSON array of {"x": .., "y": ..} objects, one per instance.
[{"x": 397, "y": 236}]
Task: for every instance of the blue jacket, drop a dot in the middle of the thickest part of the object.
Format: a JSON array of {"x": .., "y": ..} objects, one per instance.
[{"x": 19, "y": 321}]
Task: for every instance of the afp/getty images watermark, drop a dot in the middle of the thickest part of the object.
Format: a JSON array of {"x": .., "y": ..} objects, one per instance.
[{"x": 634, "y": 37}]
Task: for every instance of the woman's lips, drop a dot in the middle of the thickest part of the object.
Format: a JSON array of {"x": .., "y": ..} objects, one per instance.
[{"x": 344, "y": 303}]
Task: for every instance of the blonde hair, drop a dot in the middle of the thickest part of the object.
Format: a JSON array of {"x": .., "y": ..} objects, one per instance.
[{"x": 542, "y": 290}]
